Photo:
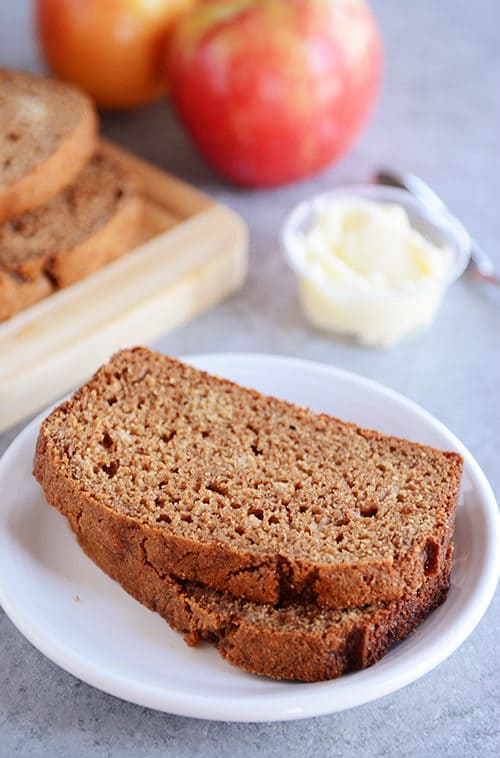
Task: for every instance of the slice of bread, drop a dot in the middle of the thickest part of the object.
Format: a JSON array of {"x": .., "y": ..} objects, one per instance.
[
  {"x": 297, "y": 641},
  {"x": 89, "y": 223},
  {"x": 246, "y": 493},
  {"x": 294, "y": 641},
  {"x": 47, "y": 133}
]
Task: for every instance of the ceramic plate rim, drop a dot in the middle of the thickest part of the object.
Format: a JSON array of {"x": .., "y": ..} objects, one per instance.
[{"x": 312, "y": 698}]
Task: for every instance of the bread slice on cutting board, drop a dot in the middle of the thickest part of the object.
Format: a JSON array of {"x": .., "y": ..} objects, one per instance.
[
  {"x": 47, "y": 133},
  {"x": 90, "y": 222}
]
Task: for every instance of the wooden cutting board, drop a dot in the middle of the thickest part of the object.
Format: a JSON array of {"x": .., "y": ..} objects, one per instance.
[{"x": 193, "y": 254}]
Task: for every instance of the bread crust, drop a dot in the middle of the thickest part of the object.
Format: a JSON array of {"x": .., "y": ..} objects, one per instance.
[
  {"x": 58, "y": 169},
  {"x": 260, "y": 577},
  {"x": 346, "y": 640}
]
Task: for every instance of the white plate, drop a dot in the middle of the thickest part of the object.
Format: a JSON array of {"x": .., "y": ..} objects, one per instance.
[{"x": 88, "y": 625}]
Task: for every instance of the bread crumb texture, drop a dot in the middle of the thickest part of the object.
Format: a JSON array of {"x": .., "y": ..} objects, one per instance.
[{"x": 269, "y": 500}]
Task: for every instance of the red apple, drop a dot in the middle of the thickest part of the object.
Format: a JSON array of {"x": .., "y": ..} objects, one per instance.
[{"x": 274, "y": 90}]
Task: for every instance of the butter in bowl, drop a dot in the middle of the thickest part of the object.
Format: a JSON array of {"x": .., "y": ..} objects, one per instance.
[{"x": 372, "y": 262}]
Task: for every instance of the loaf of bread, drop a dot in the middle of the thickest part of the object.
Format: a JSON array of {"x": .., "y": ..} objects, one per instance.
[
  {"x": 90, "y": 222},
  {"x": 47, "y": 133},
  {"x": 246, "y": 493}
]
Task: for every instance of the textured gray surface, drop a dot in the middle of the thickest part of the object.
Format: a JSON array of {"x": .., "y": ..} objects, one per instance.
[{"x": 438, "y": 117}]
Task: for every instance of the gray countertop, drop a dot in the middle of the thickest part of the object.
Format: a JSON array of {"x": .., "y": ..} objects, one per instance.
[{"x": 438, "y": 116}]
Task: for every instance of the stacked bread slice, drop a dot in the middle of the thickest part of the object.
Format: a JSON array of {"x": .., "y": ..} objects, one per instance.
[
  {"x": 65, "y": 208},
  {"x": 299, "y": 545}
]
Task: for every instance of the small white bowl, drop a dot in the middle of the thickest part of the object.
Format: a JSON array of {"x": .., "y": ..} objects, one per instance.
[{"x": 378, "y": 318}]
